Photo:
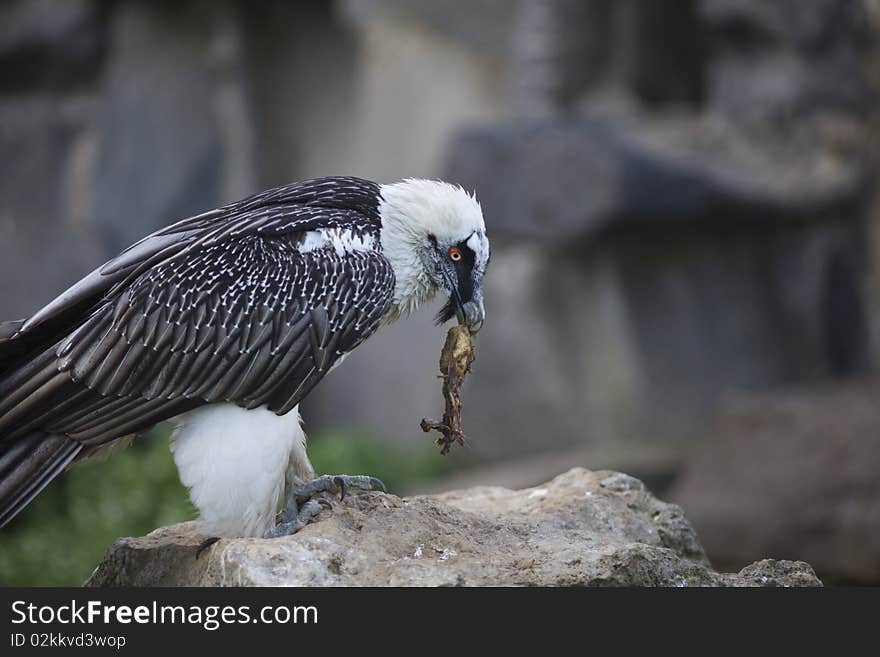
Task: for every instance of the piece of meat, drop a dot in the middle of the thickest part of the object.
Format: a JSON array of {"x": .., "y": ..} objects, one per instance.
[{"x": 455, "y": 363}]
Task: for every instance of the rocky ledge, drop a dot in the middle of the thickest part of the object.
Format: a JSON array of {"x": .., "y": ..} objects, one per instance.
[{"x": 580, "y": 529}]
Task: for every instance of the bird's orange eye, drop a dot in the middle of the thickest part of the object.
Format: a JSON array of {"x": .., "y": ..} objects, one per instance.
[{"x": 455, "y": 254}]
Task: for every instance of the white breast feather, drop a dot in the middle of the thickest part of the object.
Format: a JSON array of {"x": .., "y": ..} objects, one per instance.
[{"x": 234, "y": 461}]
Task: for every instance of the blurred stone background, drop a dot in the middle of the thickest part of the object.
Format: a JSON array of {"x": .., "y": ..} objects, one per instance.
[{"x": 685, "y": 280}]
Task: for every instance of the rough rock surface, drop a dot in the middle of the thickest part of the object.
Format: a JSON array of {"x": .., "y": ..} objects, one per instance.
[{"x": 582, "y": 528}]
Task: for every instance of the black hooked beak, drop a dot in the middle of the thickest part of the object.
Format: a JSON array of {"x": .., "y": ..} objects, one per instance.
[{"x": 469, "y": 313}]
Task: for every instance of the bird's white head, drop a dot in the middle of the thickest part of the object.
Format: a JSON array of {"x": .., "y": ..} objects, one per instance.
[{"x": 434, "y": 236}]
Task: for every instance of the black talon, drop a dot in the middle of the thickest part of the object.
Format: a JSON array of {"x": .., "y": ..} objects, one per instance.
[
  {"x": 339, "y": 481},
  {"x": 299, "y": 497},
  {"x": 204, "y": 545}
]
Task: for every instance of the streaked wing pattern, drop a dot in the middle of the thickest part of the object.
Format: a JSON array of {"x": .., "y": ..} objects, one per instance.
[
  {"x": 225, "y": 306},
  {"x": 257, "y": 323}
]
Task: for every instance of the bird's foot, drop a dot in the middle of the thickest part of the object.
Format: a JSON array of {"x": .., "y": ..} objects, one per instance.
[
  {"x": 335, "y": 484},
  {"x": 301, "y": 506},
  {"x": 303, "y": 516}
]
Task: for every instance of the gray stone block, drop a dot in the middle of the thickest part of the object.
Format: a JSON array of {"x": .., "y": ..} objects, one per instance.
[
  {"x": 580, "y": 529},
  {"x": 564, "y": 181}
]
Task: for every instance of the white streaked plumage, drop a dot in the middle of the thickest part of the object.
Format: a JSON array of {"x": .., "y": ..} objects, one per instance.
[
  {"x": 221, "y": 448},
  {"x": 341, "y": 240},
  {"x": 223, "y": 323}
]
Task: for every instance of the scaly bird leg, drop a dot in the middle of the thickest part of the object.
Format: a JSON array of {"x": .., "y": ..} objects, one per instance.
[{"x": 301, "y": 506}]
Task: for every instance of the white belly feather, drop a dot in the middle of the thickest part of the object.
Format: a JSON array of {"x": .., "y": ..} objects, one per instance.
[{"x": 234, "y": 462}]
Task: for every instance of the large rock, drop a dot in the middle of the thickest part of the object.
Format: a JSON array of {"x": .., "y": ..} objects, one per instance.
[
  {"x": 793, "y": 475},
  {"x": 569, "y": 181},
  {"x": 644, "y": 264},
  {"x": 582, "y": 528}
]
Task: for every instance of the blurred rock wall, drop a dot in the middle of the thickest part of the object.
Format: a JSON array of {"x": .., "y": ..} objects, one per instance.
[
  {"x": 50, "y": 55},
  {"x": 791, "y": 473},
  {"x": 690, "y": 192},
  {"x": 679, "y": 197}
]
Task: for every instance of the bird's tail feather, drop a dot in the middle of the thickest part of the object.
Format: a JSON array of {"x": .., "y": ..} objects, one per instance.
[{"x": 27, "y": 465}]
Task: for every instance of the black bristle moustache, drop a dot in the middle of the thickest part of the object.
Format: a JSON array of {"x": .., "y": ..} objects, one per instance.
[{"x": 446, "y": 313}]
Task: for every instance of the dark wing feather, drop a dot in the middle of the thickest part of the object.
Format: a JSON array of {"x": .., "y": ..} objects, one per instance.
[
  {"x": 218, "y": 307},
  {"x": 257, "y": 324},
  {"x": 282, "y": 211}
]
